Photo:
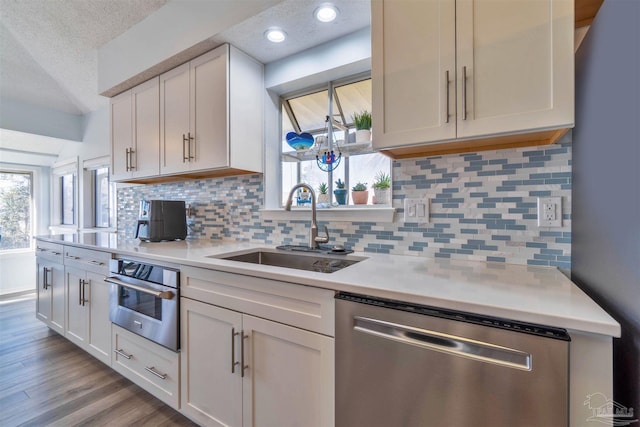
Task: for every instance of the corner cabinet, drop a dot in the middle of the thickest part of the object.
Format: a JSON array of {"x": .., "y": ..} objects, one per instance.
[
  {"x": 466, "y": 75},
  {"x": 211, "y": 113},
  {"x": 239, "y": 369},
  {"x": 135, "y": 132}
]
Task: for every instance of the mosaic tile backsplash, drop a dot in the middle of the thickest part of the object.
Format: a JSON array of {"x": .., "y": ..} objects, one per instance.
[{"x": 483, "y": 206}]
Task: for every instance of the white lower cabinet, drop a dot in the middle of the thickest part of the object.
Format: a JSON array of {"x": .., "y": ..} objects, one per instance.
[
  {"x": 149, "y": 365},
  {"x": 50, "y": 304},
  {"x": 241, "y": 370},
  {"x": 87, "y": 323}
]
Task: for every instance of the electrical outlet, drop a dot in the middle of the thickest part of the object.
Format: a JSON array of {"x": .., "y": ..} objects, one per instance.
[
  {"x": 416, "y": 210},
  {"x": 549, "y": 211}
]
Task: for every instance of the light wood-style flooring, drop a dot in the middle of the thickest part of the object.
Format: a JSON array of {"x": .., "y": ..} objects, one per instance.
[{"x": 46, "y": 380}]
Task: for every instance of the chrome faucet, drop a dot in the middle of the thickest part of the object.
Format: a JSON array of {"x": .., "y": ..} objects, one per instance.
[{"x": 314, "y": 239}]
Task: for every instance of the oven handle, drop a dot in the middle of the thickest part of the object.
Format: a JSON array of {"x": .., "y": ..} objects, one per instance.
[{"x": 157, "y": 294}]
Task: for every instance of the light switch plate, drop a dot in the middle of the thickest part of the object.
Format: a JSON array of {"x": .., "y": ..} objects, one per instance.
[
  {"x": 416, "y": 210},
  {"x": 549, "y": 211}
]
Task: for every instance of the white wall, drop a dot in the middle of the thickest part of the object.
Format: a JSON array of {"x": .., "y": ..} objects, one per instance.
[{"x": 40, "y": 121}]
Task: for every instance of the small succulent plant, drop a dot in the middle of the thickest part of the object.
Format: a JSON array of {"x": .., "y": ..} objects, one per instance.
[
  {"x": 323, "y": 188},
  {"x": 359, "y": 187},
  {"x": 340, "y": 184},
  {"x": 383, "y": 181}
]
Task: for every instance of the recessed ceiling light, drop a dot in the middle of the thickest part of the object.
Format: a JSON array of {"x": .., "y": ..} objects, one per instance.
[
  {"x": 275, "y": 35},
  {"x": 326, "y": 12}
]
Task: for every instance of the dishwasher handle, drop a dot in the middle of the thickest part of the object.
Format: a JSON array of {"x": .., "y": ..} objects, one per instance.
[{"x": 445, "y": 343}]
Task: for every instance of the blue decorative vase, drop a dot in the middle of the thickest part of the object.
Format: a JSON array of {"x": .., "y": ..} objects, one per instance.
[{"x": 341, "y": 196}]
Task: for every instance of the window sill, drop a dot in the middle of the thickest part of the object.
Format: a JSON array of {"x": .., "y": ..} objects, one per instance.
[{"x": 348, "y": 214}]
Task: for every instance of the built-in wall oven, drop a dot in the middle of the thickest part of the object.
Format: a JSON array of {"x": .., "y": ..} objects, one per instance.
[{"x": 145, "y": 300}]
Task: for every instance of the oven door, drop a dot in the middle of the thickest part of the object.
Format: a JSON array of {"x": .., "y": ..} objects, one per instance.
[{"x": 147, "y": 309}]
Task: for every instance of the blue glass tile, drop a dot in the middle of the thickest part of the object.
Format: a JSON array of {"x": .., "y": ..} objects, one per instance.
[
  {"x": 495, "y": 259},
  {"x": 536, "y": 245},
  {"x": 478, "y": 194},
  {"x": 500, "y": 237}
]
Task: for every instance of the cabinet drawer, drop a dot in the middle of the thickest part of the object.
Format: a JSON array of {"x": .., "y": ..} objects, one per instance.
[
  {"x": 296, "y": 305},
  {"x": 145, "y": 363},
  {"x": 87, "y": 259},
  {"x": 50, "y": 251}
]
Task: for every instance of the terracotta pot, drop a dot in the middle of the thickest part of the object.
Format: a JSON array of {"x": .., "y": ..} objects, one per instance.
[{"x": 360, "y": 197}]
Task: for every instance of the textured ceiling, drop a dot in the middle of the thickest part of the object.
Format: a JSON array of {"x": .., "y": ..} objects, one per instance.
[
  {"x": 48, "y": 48},
  {"x": 303, "y": 31}
]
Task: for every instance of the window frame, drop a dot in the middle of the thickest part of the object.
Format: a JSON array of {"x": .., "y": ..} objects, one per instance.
[
  {"x": 285, "y": 108},
  {"x": 32, "y": 208}
]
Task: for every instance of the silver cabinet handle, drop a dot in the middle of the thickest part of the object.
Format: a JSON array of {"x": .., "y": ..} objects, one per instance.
[
  {"x": 184, "y": 149},
  {"x": 131, "y": 163},
  {"x": 123, "y": 354},
  {"x": 189, "y": 139},
  {"x": 234, "y": 334},
  {"x": 152, "y": 369},
  {"x": 39, "y": 249},
  {"x": 55, "y": 253},
  {"x": 242, "y": 365},
  {"x": 446, "y": 78},
  {"x": 72, "y": 256},
  {"x": 445, "y": 343},
  {"x": 80, "y": 298},
  {"x": 94, "y": 262},
  {"x": 464, "y": 93},
  {"x": 45, "y": 281},
  {"x": 84, "y": 292},
  {"x": 157, "y": 294},
  {"x": 126, "y": 158}
]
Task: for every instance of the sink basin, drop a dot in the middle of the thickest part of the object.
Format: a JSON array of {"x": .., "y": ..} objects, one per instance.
[{"x": 298, "y": 261}]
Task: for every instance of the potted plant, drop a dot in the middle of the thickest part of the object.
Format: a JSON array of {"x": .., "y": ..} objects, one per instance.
[
  {"x": 359, "y": 194},
  {"x": 323, "y": 196},
  {"x": 363, "y": 126},
  {"x": 340, "y": 192},
  {"x": 382, "y": 188}
]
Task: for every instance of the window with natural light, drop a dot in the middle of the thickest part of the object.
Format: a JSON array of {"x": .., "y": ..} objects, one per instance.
[
  {"x": 15, "y": 210},
  {"x": 355, "y": 161},
  {"x": 67, "y": 199},
  {"x": 104, "y": 198}
]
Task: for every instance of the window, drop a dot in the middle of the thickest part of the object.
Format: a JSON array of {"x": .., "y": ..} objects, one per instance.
[
  {"x": 104, "y": 198},
  {"x": 309, "y": 112},
  {"x": 67, "y": 199},
  {"x": 15, "y": 210}
]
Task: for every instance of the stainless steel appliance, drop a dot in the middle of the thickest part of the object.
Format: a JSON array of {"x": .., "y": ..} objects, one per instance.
[
  {"x": 144, "y": 299},
  {"x": 161, "y": 220},
  {"x": 401, "y": 364}
]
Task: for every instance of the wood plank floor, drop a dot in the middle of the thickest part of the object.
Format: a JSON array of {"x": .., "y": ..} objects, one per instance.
[{"x": 46, "y": 380}]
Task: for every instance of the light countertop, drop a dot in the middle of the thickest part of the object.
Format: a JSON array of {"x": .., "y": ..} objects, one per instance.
[{"x": 541, "y": 295}]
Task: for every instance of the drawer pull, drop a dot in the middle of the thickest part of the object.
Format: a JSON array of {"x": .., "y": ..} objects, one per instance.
[
  {"x": 39, "y": 249},
  {"x": 71, "y": 256},
  {"x": 94, "y": 262},
  {"x": 152, "y": 369},
  {"x": 123, "y": 354},
  {"x": 55, "y": 253}
]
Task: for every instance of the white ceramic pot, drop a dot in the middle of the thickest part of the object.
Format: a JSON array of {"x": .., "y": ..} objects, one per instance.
[
  {"x": 363, "y": 135},
  {"x": 382, "y": 197},
  {"x": 323, "y": 198}
]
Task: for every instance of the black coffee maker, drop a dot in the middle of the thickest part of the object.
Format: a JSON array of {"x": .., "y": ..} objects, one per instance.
[{"x": 161, "y": 220}]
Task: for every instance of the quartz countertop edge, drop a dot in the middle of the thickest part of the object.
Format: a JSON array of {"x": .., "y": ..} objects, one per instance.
[{"x": 533, "y": 294}]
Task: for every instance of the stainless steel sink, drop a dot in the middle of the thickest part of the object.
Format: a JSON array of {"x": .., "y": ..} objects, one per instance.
[{"x": 298, "y": 261}]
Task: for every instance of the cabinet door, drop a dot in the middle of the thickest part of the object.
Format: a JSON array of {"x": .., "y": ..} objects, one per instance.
[
  {"x": 209, "y": 117},
  {"x": 146, "y": 122},
  {"x": 43, "y": 302},
  {"x": 413, "y": 71},
  {"x": 290, "y": 376},
  {"x": 99, "y": 338},
  {"x": 77, "y": 320},
  {"x": 211, "y": 393},
  {"x": 518, "y": 60},
  {"x": 174, "y": 120},
  {"x": 121, "y": 135},
  {"x": 57, "y": 287}
]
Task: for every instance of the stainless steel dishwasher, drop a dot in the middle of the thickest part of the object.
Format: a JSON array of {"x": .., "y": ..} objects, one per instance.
[{"x": 400, "y": 364}]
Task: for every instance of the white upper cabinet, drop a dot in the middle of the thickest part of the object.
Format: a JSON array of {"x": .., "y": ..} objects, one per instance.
[
  {"x": 470, "y": 70},
  {"x": 135, "y": 128},
  {"x": 211, "y": 114}
]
